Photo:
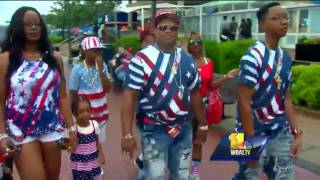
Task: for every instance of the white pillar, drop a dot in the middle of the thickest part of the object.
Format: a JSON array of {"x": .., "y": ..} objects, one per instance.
[
  {"x": 200, "y": 21},
  {"x": 142, "y": 19}
]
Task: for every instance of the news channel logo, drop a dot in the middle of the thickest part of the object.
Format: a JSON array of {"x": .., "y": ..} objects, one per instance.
[{"x": 238, "y": 147}]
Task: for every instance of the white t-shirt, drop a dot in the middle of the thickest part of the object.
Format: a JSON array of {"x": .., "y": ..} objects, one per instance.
[{"x": 89, "y": 129}]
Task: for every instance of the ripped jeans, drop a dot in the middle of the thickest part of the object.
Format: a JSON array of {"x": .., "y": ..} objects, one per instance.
[
  {"x": 275, "y": 160},
  {"x": 161, "y": 152}
]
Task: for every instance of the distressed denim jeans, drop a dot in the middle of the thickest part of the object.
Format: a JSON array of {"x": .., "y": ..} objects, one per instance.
[
  {"x": 275, "y": 160},
  {"x": 162, "y": 153}
]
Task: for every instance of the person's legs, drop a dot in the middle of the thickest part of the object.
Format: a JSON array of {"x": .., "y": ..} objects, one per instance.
[
  {"x": 196, "y": 158},
  {"x": 155, "y": 141},
  {"x": 248, "y": 173},
  {"x": 179, "y": 153},
  {"x": 279, "y": 150},
  {"x": 51, "y": 155},
  {"x": 30, "y": 153}
]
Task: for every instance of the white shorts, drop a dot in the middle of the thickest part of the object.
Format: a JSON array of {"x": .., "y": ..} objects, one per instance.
[{"x": 45, "y": 138}]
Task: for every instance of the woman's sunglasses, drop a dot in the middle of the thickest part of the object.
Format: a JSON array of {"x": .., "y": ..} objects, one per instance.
[
  {"x": 195, "y": 42},
  {"x": 164, "y": 27}
]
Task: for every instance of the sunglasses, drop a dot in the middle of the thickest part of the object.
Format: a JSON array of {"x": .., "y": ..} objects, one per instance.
[
  {"x": 195, "y": 42},
  {"x": 164, "y": 27}
]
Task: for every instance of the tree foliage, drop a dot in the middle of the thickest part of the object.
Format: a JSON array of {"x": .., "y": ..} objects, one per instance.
[{"x": 79, "y": 13}]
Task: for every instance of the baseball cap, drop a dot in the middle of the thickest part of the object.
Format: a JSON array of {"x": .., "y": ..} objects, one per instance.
[
  {"x": 165, "y": 13},
  {"x": 91, "y": 43}
]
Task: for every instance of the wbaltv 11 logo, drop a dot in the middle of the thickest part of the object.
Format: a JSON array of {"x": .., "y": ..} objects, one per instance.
[{"x": 238, "y": 147}]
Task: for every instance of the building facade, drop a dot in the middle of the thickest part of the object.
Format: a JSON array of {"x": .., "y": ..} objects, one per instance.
[{"x": 304, "y": 19}]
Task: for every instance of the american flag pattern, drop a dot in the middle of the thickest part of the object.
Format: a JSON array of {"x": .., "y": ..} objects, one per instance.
[
  {"x": 257, "y": 69},
  {"x": 32, "y": 102},
  {"x": 150, "y": 73},
  {"x": 79, "y": 81},
  {"x": 84, "y": 160},
  {"x": 91, "y": 43}
]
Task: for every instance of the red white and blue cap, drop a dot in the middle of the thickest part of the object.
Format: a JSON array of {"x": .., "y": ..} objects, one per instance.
[
  {"x": 166, "y": 13},
  {"x": 91, "y": 43}
]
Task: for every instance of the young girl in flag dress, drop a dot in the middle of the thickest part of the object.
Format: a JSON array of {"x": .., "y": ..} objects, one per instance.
[{"x": 85, "y": 164}]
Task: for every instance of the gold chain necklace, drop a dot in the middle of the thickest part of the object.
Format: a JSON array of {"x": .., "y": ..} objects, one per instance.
[
  {"x": 277, "y": 76},
  {"x": 278, "y": 70},
  {"x": 92, "y": 76},
  {"x": 174, "y": 70}
]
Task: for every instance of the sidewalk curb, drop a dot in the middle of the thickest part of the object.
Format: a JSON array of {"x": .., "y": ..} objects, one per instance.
[
  {"x": 310, "y": 166},
  {"x": 307, "y": 112}
]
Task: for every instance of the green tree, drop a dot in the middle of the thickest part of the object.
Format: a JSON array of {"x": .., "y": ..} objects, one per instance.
[{"x": 79, "y": 13}]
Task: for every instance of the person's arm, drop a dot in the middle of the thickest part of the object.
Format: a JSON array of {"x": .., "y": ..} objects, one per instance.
[
  {"x": 290, "y": 112},
  {"x": 296, "y": 131},
  {"x": 4, "y": 62},
  {"x": 65, "y": 104},
  {"x": 133, "y": 84},
  {"x": 248, "y": 78},
  {"x": 101, "y": 156},
  {"x": 214, "y": 84},
  {"x": 130, "y": 98},
  {"x": 5, "y": 142},
  {"x": 245, "y": 96},
  {"x": 103, "y": 71},
  {"x": 200, "y": 120}
]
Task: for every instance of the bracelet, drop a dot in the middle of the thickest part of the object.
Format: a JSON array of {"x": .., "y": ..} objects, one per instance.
[
  {"x": 3, "y": 136},
  {"x": 72, "y": 128},
  {"x": 296, "y": 131},
  {"x": 128, "y": 136},
  {"x": 203, "y": 128}
]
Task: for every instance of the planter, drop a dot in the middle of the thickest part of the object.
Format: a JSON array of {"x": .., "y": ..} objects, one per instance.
[
  {"x": 308, "y": 52},
  {"x": 314, "y": 114}
]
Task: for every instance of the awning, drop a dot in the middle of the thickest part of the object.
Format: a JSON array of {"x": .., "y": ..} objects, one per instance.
[{"x": 159, "y": 5}]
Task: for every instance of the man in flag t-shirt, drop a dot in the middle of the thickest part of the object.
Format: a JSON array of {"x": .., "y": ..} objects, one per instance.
[
  {"x": 162, "y": 87},
  {"x": 265, "y": 105}
]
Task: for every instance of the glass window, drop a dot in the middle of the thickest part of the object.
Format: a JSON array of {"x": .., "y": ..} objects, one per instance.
[
  {"x": 239, "y": 6},
  {"x": 292, "y": 13},
  {"x": 303, "y": 20}
]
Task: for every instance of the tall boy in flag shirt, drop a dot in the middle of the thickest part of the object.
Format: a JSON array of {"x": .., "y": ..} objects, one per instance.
[
  {"x": 265, "y": 105},
  {"x": 163, "y": 81}
]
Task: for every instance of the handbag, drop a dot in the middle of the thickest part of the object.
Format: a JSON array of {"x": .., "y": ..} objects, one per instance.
[{"x": 215, "y": 107}]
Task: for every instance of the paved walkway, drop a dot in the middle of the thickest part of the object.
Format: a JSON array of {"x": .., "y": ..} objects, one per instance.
[{"x": 119, "y": 167}]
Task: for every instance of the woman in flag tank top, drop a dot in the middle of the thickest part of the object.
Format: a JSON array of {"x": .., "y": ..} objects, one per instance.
[
  {"x": 90, "y": 78},
  {"x": 193, "y": 44},
  {"x": 265, "y": 104},
  {"x": 34, "y": 106}
]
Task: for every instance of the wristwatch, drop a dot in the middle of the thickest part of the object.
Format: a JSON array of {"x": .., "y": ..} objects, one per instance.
[{"x": 203, "y": 128}]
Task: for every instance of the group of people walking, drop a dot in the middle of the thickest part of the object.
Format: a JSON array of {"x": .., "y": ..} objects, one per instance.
[{"x": 165, "y": 93}]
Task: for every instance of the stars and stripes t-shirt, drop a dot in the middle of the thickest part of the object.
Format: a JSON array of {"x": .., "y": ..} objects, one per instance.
[
  {"x": 88, "y": 84},
  {"x": 258, "y": 70},
  {"x": 152, "y": 73}
]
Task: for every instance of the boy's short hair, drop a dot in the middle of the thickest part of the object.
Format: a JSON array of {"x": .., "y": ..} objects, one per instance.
[
  {"x": 75, "y": 104},
  {"x": 261, "y": 13}
]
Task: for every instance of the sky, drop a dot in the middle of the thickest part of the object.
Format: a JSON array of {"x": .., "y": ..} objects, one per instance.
[{"x": 7, "y": 8}]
